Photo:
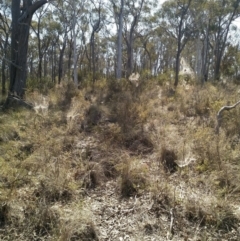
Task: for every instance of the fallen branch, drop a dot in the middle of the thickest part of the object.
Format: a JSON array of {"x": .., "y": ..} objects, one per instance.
[
  {"x": 219, "y": 115},
  {"x": 171, "y": 232}
]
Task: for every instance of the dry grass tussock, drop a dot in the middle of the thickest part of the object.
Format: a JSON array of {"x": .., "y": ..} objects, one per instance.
[{"x": 148, "y": 155}]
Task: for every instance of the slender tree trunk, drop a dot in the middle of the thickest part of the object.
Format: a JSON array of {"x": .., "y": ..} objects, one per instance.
[
  {"x": 39, "y": 53},
  {"x": 75, "y": 78},
  {"x": 92, "y": 49},
  {"x": 60, "y": 66},
  {"x": 204, "y": 76},
  {"x": 130, "y": 56},
  {"x": 40, "y": 67},
  {"x": 45, "y": 68},
  {"x": 179, "y": 47},
  {"x": 95, "y": 28},
  {"x": 198, "y": 59},
  {"x": 119, "y": 42},
  {"x": 53, "y": 62},
  {"x": 4, "y": 66},
  {"x": 177, "y": 67},
  {"x": 217, "y": 60},
  {"x": 70, "y": 55},
  {"x": 148, "y": 54},
  {"x": 3, "y": 77}
]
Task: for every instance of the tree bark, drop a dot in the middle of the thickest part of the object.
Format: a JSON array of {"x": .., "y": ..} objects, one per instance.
[
  {"x": 3, "y": 77},
  {"x": 21, "y": 21},
  {"x": 177, "y": 67},
  {"x": 4, "y": 66}
]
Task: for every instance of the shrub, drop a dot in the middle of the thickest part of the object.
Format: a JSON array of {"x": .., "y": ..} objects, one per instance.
[
  {"x": 133, "y": 177},
  {"x": 168, "y": 159}
]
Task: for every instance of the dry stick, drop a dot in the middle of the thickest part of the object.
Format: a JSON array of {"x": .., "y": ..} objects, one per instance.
[
  {"x": 172, "y": 220},
  {"x": 219, "y": 115}
]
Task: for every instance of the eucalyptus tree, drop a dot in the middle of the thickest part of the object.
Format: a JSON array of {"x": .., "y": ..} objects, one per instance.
[
  {"x": 213, "y": 20},
  {"x": 73, "y": 27},
  {"x": 50, "y": 43},
  {"x": 131, "y": 17},
  {"x": 42, "y": 46},
  {"x": 21, "y": 22},
  {"x": 222, "y": 14},
  {"x": 132, "y": 21},
  {"x": 145, "y": 37},
  {"x": 118, "y": 10},
  {"x": 95, "y": 20},
  {"x": 77, "y": 11},
  {"x": 4, "y": 39},
  {"x": 177, "y": 22},
  {"x": 63, "y": 17},
  {"x": 230, "y": 66},
  {"x": 162, "y": 51}
]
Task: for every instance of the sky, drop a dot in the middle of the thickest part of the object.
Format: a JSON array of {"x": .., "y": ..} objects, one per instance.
[{"x": 162, "y": 1}]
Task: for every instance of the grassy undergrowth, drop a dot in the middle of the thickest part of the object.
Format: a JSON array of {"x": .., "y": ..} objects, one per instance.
[{"x": 148, "y": 140}]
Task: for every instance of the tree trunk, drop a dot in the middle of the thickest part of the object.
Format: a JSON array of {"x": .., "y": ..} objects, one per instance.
[
  {"x": 3, "y": 77},
  {"x": 45, "y": 62},
  {"x": 179, "y": 47},
  {"x": 21, "y": 21},
  {"x": 60, "y": 66},
  {"x": 95, "y": 28},
  {"x": 177, "y": 67},
  {"x": 149, "y": 55},
  {"x": 129, "y": 42},
  {"x": 217, "y": 69},
  {"x": 130, "y": 56},
  {"x": 39, "y": 52},
  {"x": 119, "y": 42},
  {"x": 92, "y": 50},
  {"x": 204, "y": 75},
  {"x": 70, "y": 47},
  {"x": 75, "y": 77},
  {"x": 198, "y": 59},
  {"x": 4, "y": 66},
  {"x": 222, "y": 40},
  {"x": 40, "y": 67}
]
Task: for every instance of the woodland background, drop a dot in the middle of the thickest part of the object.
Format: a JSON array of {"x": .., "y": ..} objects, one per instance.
[{"x": 89, "y": 151}]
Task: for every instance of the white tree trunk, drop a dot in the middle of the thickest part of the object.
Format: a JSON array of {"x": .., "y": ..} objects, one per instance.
[{"x": 75, "y": 78}]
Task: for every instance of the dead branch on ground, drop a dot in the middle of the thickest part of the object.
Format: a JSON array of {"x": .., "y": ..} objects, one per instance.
[{"x": 219, "y": 115}]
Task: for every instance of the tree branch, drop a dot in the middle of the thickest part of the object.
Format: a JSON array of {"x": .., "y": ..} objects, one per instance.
[
  {"x": 33, "y": 8},
  {"x": 219, "y": 117},
  {"x": 29, "y": 11}
]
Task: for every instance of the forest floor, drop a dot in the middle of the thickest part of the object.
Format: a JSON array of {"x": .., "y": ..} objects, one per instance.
[{"x": 121, "y": 163}]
